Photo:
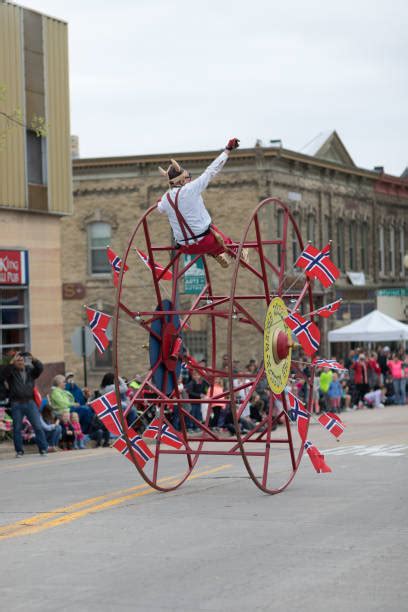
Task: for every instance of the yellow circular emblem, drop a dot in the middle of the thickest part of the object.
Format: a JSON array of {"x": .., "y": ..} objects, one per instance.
[{"x": 277, "y": 346}]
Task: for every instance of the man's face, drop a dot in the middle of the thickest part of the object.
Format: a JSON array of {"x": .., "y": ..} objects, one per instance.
[{"x": 19, "y": 361}]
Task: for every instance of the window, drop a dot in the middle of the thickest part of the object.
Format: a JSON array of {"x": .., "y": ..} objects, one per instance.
[
  {"x": 99, "y": 236},
  {"x": 196, "y": 342},
  {"x": 364, "y": 247},
  {"x": 295, "y": 241},
  {"x": 311, "y": 228},
  {"x": 381, "y": 261},
  {"x": 340, "y": 244},
  {"x": 391, "y": 252},
  {"x": 14, "y": 328},
  {"x": 326, "y": 229},
  {"x": 401, "y": 251},
  {"x": 36, "y": 159},
  {"x": 352, "y": 246},
  {"x": 280, "y": 234}
]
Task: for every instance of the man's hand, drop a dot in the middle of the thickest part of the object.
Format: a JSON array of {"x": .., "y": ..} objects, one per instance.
[{"x": 233, "y": 143}]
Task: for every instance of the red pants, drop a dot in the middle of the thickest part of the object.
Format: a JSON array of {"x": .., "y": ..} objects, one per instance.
[{"x": 207, "y": 245}]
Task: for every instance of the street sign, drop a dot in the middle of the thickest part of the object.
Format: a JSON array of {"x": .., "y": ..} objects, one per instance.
[
  {"x": 77, "y": 342},
  {"x": 194, "y": 277},
  {"x": 394, "y": 292}
]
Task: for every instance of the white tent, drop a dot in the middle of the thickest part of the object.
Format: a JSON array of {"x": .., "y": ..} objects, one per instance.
[{"x": 374, "y": 327}]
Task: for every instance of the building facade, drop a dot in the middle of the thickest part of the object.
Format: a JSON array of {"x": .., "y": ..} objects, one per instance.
[
  {"x": 35, "y": 182},
  {"x": 364, "y": 213}
]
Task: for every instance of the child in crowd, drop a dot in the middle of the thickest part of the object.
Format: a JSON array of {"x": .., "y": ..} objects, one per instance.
[
  {"x": 335, "y": 393},
  {"x": 79, "y": 441},
  {"x": 376, "y": 398},
  {"x": 67, "y": 432}
]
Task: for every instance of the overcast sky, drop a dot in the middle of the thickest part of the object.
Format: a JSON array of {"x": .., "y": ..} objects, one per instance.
[{"x": 153, "y": 76}]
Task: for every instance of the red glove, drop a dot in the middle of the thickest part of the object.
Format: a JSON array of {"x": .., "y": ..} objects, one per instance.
[{"x": 233, "y": 143}]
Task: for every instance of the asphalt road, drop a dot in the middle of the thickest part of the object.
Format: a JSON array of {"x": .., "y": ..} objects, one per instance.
[{"x": 81, "y": 531}]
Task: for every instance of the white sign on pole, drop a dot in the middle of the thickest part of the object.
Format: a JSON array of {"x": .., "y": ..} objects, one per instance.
[{"x": 76, "y": 342}]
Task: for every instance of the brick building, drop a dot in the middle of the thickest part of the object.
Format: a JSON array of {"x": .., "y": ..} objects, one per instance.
[{"x": 364, "y": 212}]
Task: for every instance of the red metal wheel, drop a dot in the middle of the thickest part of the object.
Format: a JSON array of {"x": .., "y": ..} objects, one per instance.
[{"x": 272, "y": 450}]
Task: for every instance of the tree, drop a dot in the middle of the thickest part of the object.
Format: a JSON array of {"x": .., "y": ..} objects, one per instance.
[{"x": 15, "y": 119}]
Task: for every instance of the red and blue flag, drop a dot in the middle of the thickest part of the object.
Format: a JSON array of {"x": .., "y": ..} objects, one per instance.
[
  {"x": 98, "y": 323},
  {"x": 116, "y": 263},
  {"x": 299, "y": 415},
  {"x": 316, "y": 458},
  {"x": 317, "y": 264},
  {"x": 329, "y": 363},
  {"x": 106, "y": 408},
  {"x": 158, "y": 269},
  {"x": 306, "y": 332},
  {"x": 332, "y": 423},
  {"x": 140, "y": 449},
  {"x": 329, "y": 309},
  {"x": 168, "y": 434}
]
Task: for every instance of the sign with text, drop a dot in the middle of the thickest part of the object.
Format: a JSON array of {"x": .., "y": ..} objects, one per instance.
[
  {"x": 13, "y": 267},
  {"x": 194, "y": 277}
]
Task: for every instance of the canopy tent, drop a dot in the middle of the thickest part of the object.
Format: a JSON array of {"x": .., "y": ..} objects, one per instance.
[{"x": 374, "y": 327}]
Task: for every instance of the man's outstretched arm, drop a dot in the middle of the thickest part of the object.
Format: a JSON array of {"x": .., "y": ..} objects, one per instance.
[{"x": 200, "y": 183}]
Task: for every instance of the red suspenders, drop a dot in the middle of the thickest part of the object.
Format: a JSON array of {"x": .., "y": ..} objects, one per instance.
[{"x": 181, "y": 221}]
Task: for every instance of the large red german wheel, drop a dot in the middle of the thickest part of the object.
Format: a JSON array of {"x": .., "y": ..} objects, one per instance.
[{"x": 238, "y": 312}]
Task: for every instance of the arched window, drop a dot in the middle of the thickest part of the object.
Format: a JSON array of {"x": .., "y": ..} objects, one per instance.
[
  {"x": 381, "y": 260},
  {"x": 280, "y": 233},
  {"x": 99, "y": 236},
  {"x": 352, "y": 245}
]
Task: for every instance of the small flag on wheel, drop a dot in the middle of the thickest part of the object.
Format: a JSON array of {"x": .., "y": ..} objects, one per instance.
[
  {"x": 140, "y": 449},
  {"x": 106, "y": 408},
  {"x": 158, "y": 269},
  {"x": 116, "y": 263},
  {"x": 317, "y": 264},
  {"x": 316, "y": 458},
  {"x": 306, "y": 332},
  {"x": 168, "y": 434},
  {"x": 332, "y": 423}
]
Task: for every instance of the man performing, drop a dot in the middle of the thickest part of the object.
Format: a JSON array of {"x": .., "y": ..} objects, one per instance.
[{"x": 189, "y": 219}]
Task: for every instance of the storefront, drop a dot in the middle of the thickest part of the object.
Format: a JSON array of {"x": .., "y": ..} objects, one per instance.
[{"x": 14, "y": 301}]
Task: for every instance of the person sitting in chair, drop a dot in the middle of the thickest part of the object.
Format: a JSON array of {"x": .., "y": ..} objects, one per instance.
[{"x": 193, "y": 230}]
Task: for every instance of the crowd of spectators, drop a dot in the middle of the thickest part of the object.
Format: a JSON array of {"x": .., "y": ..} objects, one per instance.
[{"x": 63, "y": 419}]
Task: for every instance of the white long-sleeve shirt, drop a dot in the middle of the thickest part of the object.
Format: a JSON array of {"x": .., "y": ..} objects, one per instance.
[{"x": 190, "y": 202}]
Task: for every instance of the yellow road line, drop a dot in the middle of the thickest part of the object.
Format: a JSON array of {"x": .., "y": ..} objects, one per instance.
[
  {"x": 41, "y": 461},
  {"x": 73, "y": 512}
]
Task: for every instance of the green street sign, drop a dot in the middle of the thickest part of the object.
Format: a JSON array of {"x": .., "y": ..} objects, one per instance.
[
  {"x": 194, "y": 278},
  {"x": 397, "y": 292}
]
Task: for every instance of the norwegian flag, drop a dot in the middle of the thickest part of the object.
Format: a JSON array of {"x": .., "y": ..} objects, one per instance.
[
  {"x": 158, "y": 269},
  {"x": 141, "y": 451},
  {"x": 317, "y": 264},
  {"x": 329, "y": 363},
  {"x": 316, "y": 458},
  {"x": 168, "y": 434},
  {"x": 98, "y": 323},
  {"x": 329, "y": 309},
  {"x": 116, "y": 263},
  {"x": 107, "y": 410},
  {"x": 306, "y": 332},
  {"x": 332, "y": 423},
  {"x": 298, "y": 414}
]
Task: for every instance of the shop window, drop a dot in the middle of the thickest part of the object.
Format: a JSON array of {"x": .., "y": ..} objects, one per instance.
[
  {"x": 14, "y": 327},
  {"x": 99, "y": 236}
]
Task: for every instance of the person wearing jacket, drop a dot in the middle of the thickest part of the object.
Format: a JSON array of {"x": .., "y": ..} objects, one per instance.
[
  {"x": 62, "y": 400},
  {"x": 20, "y": 376}
]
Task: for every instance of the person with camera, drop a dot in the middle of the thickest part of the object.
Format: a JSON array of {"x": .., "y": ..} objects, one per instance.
[{"x": 20, "y": 376}]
